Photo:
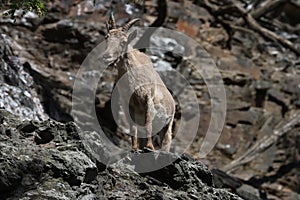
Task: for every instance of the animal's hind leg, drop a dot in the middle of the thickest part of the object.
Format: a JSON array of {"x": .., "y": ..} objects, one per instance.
[
  {"x": 166, "y": 144},
  {"x": 133, "y": 130},
  {"x": 141, "y": 135}
]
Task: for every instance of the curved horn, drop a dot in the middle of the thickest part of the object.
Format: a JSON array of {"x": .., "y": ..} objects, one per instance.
[
  {"x": 127, "y": 26},
  {"x": 112, "y": 21}
]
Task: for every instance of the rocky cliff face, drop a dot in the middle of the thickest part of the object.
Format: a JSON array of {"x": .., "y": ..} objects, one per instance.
[
  {"x": 18, "y": 94},
  {"x": 46, "y": 159}
]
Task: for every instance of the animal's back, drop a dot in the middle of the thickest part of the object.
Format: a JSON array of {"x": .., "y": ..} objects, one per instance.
[
  {"x": 141, "y": 70},
  {"x": 144, "y": 80}
]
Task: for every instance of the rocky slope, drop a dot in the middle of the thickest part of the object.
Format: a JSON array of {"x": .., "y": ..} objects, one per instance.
[
  {"x": 261, "y": 80},
  {"x": 47, "y": 160}
]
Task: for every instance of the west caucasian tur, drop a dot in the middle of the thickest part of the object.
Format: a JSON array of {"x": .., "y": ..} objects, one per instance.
[{"x": 150, "y": 105}]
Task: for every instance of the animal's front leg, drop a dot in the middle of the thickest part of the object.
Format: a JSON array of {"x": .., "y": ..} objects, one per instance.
[
  {"x": 134, "y": 142},
  {"x": 148, "y": 124}
]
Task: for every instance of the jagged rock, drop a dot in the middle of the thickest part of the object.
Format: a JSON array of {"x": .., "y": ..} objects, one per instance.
[
  {"x": 54, "y": 188},
  {"x": 181, "y": 172},
  {"x": 73, "y": 166},
  {"x": 30, "y": 19},
  {"x": 61, "y": 171},
  {"x": 17, "y": 94},
  {"x": 188, "y": 179},
  {"x": 248, "y": 192},
  {"x": 251, "y": 116},
  {"x": 24, "y": 164}
]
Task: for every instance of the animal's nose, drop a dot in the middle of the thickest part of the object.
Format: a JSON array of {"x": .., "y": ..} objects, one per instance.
[{"x": 106, "y": 56}]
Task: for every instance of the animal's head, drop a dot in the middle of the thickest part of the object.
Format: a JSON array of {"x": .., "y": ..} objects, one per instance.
[{"x": 117, "y": 40}]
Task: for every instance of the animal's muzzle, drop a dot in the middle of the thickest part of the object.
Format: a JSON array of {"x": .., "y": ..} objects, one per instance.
[{"x": 108, "y": 58}]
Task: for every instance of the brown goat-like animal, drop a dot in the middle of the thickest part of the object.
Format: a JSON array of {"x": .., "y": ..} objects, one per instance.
[{"x": 148, "y": 101}]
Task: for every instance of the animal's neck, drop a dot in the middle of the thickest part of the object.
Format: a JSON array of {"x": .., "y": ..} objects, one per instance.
[{"x": 132, "y": 59}]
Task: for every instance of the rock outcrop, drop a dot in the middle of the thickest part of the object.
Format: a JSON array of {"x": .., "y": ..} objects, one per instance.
[{"x": 47, "y": 160}]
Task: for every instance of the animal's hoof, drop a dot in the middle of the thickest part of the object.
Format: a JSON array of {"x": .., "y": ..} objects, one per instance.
[
  {"x": 136, "y": 151},
  {"x": 150, "y": 146},
  {"x": 147, "y": 149},
  {"x": 135, "y": 148}
]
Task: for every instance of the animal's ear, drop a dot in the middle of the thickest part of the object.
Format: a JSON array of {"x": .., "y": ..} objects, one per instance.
[{"x": 132, "y": 35}]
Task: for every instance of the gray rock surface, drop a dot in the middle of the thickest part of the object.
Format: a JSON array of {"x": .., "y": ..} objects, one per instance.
[
  {"x": 60, "y": 168},
  {"x": 17, "y": 93}
]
